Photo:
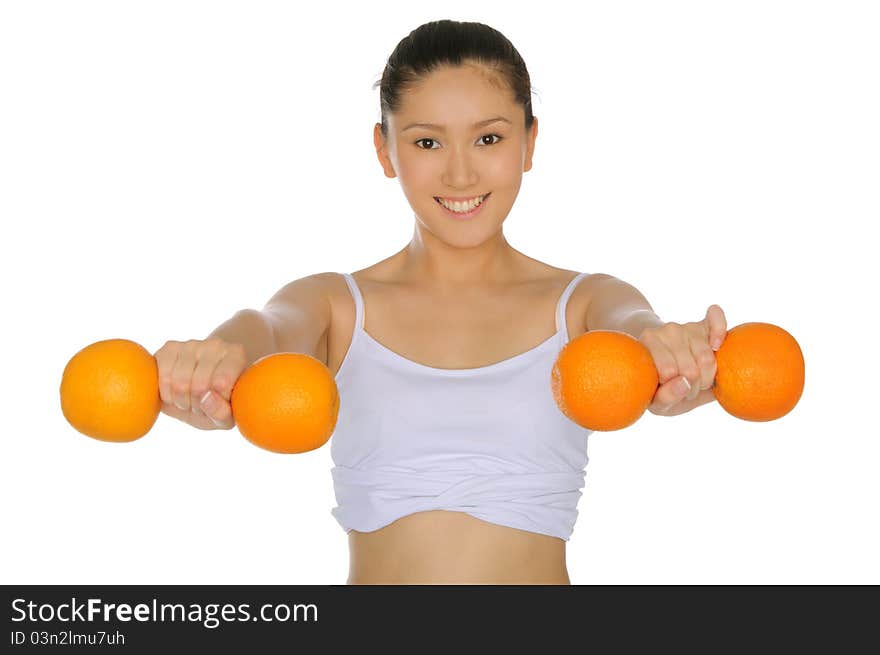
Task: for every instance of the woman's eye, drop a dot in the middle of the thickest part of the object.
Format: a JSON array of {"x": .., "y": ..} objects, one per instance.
[{"x": 482, "y": 137}]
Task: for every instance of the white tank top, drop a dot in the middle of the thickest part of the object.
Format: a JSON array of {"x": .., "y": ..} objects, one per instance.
[{"x": 489, "y": 441}]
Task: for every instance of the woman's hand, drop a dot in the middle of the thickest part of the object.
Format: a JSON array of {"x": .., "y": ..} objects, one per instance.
[
  {"x": 685, "y": 353},
  {"x": 196, "y": 380}
]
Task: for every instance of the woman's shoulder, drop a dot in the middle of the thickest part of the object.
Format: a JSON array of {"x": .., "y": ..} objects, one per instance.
[
  {"x": 323, "y": 287},
  {"x": 551, "y": 277}
]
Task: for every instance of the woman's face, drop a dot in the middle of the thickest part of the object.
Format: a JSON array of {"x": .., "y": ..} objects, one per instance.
[{"x": 458, "y": 158}]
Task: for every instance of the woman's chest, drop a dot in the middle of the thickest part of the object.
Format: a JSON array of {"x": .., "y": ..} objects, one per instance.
[{"x": 454, "y": 333}]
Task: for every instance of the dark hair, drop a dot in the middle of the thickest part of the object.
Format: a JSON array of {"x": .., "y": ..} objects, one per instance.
[{"x": 452, "y": 43}]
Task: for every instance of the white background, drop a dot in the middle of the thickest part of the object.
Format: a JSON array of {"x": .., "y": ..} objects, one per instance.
[{"x": 165, "y": 164}]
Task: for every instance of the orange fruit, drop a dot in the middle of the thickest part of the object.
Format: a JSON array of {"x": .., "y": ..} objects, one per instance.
[
  {"x": 760, "y": 372},
  {"x": 110, "y": 390},
  {"x": 604, "y": 380},
  {"x": 286, "y": 403}
]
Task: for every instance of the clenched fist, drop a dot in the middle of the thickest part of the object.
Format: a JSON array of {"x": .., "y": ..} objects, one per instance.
[{"x": 196, "y": 380}]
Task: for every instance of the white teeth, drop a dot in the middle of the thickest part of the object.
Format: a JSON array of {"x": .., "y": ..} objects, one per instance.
[{"x": 462, "y": 206}]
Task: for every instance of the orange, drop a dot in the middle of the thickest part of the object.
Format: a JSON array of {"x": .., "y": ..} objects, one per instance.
[
  {"x": 286, "y": 403},
  {"x": 760, "y": 372},
  {"x": 110, "y": 390},
  {"x": 604, "y": 380}
]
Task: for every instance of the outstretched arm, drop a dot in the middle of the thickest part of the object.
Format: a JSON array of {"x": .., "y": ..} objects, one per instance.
[
  {"x": 616, "y": 305},
  {"x": 683, "y": 353}
]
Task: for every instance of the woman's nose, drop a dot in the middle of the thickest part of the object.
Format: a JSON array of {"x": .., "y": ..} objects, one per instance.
[{"x": 460, "y": 171}]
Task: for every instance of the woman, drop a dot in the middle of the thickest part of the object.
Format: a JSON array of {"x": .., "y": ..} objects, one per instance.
[{"x": 452, "y": 462}]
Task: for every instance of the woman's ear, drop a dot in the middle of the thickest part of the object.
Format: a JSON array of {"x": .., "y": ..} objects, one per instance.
[
  {"x": 382, "y": 151},
  {"x": 530, "y": 145}
]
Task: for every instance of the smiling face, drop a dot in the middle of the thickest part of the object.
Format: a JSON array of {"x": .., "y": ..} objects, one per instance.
[{"x": 462, "y": 156}]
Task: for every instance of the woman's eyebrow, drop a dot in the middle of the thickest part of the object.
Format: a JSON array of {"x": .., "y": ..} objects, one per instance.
[{"x": 440, "y": 128}]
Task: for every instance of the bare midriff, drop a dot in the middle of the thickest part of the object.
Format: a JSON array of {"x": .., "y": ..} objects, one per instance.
[{"x": 442, "y": 547}]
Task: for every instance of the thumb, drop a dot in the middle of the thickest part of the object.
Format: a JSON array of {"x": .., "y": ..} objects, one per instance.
[
  {"x": 217, "y": 409},
  {"x": 716, "y": 326},
  {"x": 707, "y": 320}
]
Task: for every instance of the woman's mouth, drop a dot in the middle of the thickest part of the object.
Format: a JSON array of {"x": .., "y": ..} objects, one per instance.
[{"x": 463, "y": 210}]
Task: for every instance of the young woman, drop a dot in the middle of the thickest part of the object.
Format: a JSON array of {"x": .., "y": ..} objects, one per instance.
[{"x": 453, "y": 463}]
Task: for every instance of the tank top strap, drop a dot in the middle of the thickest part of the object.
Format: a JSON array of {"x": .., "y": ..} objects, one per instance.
[
  {"x": 561, "y": 325},
  {"x": 358, "y": 301}
]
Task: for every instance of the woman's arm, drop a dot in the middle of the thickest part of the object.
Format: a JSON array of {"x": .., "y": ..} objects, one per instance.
[
  {"x": 252, "y": 330},
  {"x": 295, "y": 319},
  {"x": 616, "y": 305}
]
